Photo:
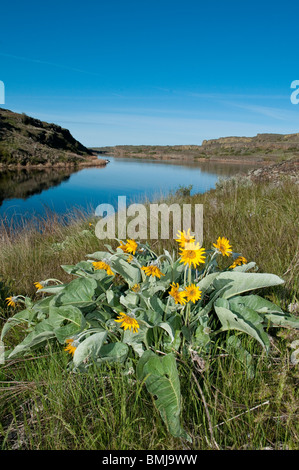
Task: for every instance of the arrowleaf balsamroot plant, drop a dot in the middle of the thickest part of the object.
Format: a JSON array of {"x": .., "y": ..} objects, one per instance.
[{"x": 135, "y": 308}]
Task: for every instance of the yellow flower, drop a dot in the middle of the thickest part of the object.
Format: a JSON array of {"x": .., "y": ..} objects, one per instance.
[
  {"x": 11, "y": 301},
  {"x": 193, "y": 293},
  {"x": 136, "y": 288},
  {"x": 127, "y": 322},
  {"x": 223, "y": 246},
  {"x": 193, "y": 254},
  {"x": 103, "y": 265},
  {"x": 184, "y": 238},
  {"x": 39, "y": 285},
  {"x": 70, "y": 348},
  {"x": 122, "y": 246},
  {"x": 179, "y": 296},
  {"x": 130, "y": 257},
  {"x": 152, "y": 270},
  {"x": 129, "y": 247},
  {"x": 238, "y": 262}
]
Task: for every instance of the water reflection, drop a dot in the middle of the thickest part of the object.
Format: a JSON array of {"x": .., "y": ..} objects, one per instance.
[
  {"x": 22, "y": 183},
  {"x": 28, "y": 192},
  {"x": 213, "y": 167}
]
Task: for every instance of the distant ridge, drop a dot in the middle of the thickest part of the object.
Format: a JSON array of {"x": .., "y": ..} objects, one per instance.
[{"x": 260, "y": 148}]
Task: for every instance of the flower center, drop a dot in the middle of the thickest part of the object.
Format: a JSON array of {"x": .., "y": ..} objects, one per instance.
[{"x": 191, "y": 254}]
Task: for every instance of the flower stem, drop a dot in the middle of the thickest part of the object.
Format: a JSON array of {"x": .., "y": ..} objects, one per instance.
[{"x": 188, "y": 309}]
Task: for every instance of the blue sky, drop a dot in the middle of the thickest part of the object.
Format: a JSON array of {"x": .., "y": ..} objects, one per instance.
[{"x": 152, "y": 72}]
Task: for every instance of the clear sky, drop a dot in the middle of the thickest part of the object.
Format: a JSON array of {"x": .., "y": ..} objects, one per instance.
[{"x": 152, "y": 72}]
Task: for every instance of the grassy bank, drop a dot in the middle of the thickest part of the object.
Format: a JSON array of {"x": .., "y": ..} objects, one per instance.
[{"x": 44, "y": 406}]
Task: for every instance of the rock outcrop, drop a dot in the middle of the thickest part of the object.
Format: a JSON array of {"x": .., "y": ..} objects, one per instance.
[{"x": 26, "y": 141}]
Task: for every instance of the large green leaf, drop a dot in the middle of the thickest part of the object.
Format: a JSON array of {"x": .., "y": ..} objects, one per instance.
[
  {"x": 270, "y": 311},
  {"x": 135, "y": 340},
  {"x": 201, "y": 314},
  {"x": 41, "y": 333},
  {"x": 167, "y": 327},
  {"x": 52, "y": 289},
  {"x": 206, "y": 282},
  {"x": 245, "y": 267},
  {"x": 238, "y": 282},
  {"x": 20, "y": 317},
  {"x": 150, "y": 289},
  {"x": 67, "y": 320},
  {"x": 175, "y": 323},
  {"x": 44, "y": 304},
  {"x": 98, "y": 255},
  {"x": 112, "y": 298},
  {"x": 113, "y": 352},
  {"x": 83, "y": 268},
  {"x": 171, "y": 273},
  {"x": 241, "y": 318},
  {"x": 98, "y": 317},
  {"x": 89, "y": 348},
  {"x": 157, "y": 305},
  {"x": 257, "y": 303},
  {"x": 78, "y": 292},
  {"x": 130, "y": 273},
  {"x": 150, "y": 317},
  {"x": 130, "y": 300},
  {"x": 162, "y": 381}
]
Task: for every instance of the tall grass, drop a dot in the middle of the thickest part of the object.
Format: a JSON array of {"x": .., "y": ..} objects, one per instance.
[
  {"x": 43, "y": 406},
  {"x": 37, "y": 249}
]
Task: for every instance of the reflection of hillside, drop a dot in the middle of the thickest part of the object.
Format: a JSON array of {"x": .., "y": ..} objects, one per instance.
[
  {"x": 227, "y": 169},
  {"x": 25, "y": 183},
  {"x": 213, "y": 167}
]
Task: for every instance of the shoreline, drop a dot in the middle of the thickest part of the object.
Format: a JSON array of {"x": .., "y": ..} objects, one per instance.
[{"x": 91, "y": 162}]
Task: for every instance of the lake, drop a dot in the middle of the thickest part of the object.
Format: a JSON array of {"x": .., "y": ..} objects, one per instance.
[{"x": 25, "y": 193}]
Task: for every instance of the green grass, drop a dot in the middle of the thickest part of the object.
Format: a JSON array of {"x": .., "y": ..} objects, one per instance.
[
  {"x": 46, "y": 407},
  {"x": 43, "y": 406}
]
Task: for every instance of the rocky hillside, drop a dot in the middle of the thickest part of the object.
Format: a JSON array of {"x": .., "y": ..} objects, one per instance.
[
  {"x": 266, "y": 144},
  {"x": 25, "y": 141},
  {"x": 261, "y": 148},
  {"x": 276, "y": 172}
]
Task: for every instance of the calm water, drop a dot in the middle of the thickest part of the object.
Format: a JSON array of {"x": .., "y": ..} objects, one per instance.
[{"x": 27, "y": 193}]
